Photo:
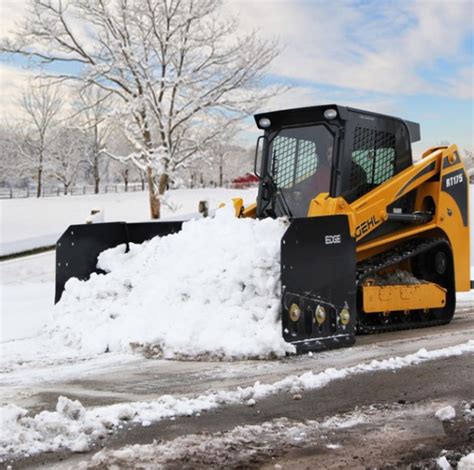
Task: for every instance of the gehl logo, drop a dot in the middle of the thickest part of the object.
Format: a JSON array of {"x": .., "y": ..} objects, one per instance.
[
  {"x": 452, "y": 180},
  {"x": 365, "y": 226}
]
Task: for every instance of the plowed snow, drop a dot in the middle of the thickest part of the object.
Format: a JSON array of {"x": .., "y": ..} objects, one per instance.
[{"x": 211, "y": 289}]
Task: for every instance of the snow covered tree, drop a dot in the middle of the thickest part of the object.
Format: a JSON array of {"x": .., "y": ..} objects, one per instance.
[
  {"x": 177, "y": 70},
  {"x": 92, "y": 115},
  {"x": 66, "y": 156},
  {"x": 8, "y": 158},
  {"x": 40, "y": 106},
  {"x": 468, "y": 159}
]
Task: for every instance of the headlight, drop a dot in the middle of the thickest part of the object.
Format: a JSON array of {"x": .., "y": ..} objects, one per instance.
[
  {"x": 344, "y": 317},
  {"x": 320, "y": 314},
  {"x": 264, "y": 122},
  {"x": 295, "y": 312}
]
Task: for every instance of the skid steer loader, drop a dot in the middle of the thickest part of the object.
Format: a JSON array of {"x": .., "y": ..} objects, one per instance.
[{"x": 375, "y": 241}]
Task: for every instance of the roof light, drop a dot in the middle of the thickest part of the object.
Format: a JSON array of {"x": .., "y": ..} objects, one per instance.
[
  {"x": 264, "y": 122},
  {"x": 330, "y": 114}
]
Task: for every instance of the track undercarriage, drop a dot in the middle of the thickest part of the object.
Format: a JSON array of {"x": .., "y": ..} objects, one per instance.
[{"x": 427, "y": 260}]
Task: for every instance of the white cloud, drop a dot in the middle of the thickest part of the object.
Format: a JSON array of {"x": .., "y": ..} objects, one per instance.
[
  {"x": 378, "y": 46},
  {"x": 11, "y": 12},
  {"x": 13, "y": 81}
]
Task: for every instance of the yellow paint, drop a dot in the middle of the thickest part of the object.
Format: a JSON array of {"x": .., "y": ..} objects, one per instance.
[
  {"x": 402, "y": 297},
  {"x": 369, "y": 212}
]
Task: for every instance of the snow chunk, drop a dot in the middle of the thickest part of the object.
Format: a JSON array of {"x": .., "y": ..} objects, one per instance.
[
  {"x": 333, "y": 446},
  {"x": 446, "y": 413},
  {"x": 212, "y": 289},
  {"x": 443, "y": 463},
  {"x": 70, "y": 409},
  {"x": 467, "y": 462}
]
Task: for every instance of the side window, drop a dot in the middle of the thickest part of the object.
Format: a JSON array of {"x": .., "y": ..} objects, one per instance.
[{"x": 373, "y": 160}]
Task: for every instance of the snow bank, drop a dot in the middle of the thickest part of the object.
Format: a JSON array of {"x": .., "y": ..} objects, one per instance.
[
  {"x": 75, "y": 428},
  {"x": 447, "y": 413},
  {"x": 467, "y": 462},
  {"x": 211, "y": 289}
]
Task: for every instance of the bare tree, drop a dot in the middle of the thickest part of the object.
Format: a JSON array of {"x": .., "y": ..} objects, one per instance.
[
  {"x": 41, "y": 106},
  {"x": 92, "y": 114},
  {"x": 66, "y": 156},
  {"x": 177, "y": 70},
  {"x": 9, "y": 156}
]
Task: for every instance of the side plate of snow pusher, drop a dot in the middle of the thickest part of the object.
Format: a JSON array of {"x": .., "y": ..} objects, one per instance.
[
  {"x": 80, "y": 245},
  {"x": 318, "y": 276}
]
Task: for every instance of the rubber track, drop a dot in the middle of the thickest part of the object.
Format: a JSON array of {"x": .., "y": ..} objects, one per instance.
[{"x": 377, "y": 263}]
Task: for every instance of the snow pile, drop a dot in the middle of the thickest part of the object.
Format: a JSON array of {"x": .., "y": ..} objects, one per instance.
[
  {"x": 66, "y": 428},
  {"x": 447, "y": 413},
  {"x": 211, "y": 289},
  {"x": 75, "y": 428},
  {"x": 467, "y": 462},
  {"x": 443, "y": 463},
  {"x": 240, "y": 447}
]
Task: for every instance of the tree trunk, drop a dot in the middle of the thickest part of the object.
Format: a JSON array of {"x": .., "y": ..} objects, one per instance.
[
  {"x": 96, "y": 161},
  {"x": 221, "y": 171},
  {"x": 40, "y": 174},
  {"x": 163, "y": 183},
  {"x": 66, "y": 188},
  {"x": 96, "y": 178},
  {"x": 154, "y": 199},
  {"x": 125, "y": 179}
]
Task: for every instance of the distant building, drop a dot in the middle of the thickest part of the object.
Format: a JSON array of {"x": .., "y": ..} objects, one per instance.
[{"x": 245, "y": 181}]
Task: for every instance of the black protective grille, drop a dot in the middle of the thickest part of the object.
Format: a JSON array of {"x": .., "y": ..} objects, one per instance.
[
  {"x": 294, "y": 160},
  {"x": 373, "y": 159}
]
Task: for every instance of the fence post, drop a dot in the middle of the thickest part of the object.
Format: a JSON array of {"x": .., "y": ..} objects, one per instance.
[
  {"x": 203, "y": 208},
  {"x": 11, "y": 193}
]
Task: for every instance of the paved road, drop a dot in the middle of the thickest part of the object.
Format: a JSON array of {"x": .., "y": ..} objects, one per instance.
[
  {"x": 107, "y": 381},
  {"x": 382, "y": 419},
  {"x": 419, "y": 389}
]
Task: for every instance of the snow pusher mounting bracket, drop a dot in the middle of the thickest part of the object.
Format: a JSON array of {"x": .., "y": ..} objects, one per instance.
[
  {"x": 80, "y": 245},
  {"x": 318, "y": 277}
]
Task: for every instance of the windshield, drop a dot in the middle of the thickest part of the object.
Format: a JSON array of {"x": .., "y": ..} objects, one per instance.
[{"x": 300, "y": 166}]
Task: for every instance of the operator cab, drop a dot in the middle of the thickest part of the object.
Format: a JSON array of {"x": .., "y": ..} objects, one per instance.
[{"x": 326, "y": 149}]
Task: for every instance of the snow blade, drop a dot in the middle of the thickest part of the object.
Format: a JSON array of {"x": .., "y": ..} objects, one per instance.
[
  {"x": 318, "y": 276},
  {"x": 80, "y": 245}
]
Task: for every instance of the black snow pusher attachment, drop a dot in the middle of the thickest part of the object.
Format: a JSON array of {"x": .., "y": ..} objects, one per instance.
[
  {"x": 318, "y": 270},
  {"x": 80, "y": 245}
]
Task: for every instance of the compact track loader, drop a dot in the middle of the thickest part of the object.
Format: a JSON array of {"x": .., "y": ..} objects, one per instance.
[{"x": 375, "y": 242}]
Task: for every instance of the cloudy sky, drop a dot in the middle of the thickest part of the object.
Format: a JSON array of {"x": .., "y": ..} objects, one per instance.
[{"x": 413, "y": 59}]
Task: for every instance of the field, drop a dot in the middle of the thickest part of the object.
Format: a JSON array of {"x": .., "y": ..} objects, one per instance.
[{"x": 30, "y": 223}]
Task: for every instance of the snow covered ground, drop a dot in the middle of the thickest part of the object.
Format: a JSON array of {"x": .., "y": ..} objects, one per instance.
[
  {"x": 31, "y": 223},
  {"x": 31, "y": 352}
]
